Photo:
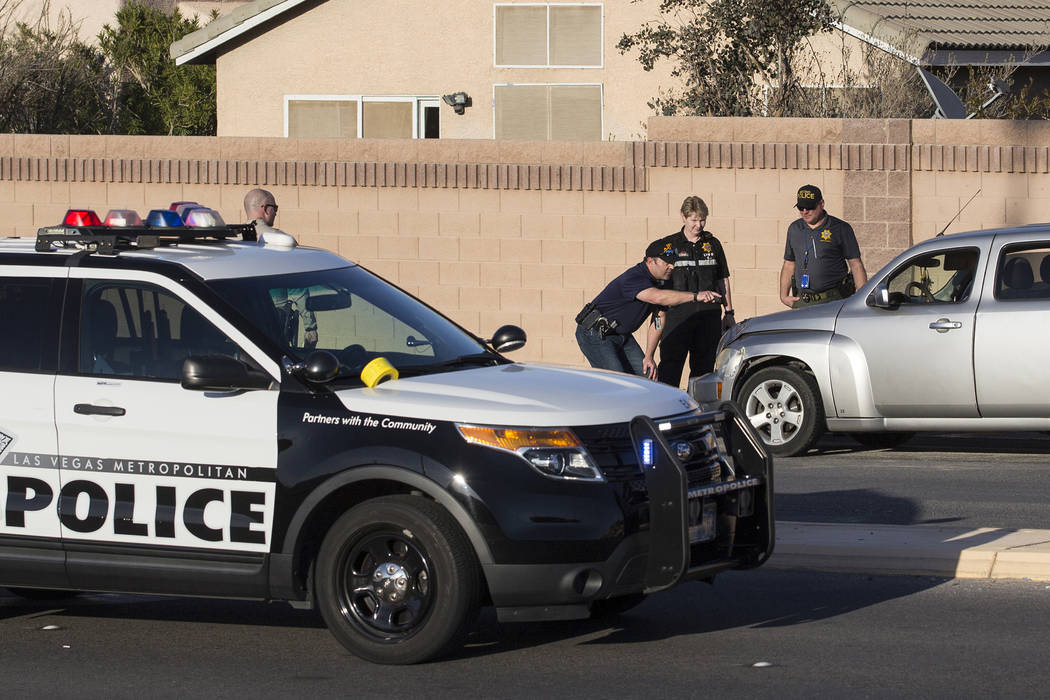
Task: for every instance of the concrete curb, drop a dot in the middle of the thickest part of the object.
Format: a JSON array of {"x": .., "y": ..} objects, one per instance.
[{"x": 924, "y": 550}]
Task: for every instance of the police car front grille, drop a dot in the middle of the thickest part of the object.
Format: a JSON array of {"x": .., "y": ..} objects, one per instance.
[{"x": 612, "y": 449}]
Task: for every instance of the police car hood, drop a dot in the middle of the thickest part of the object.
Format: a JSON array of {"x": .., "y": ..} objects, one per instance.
[{"x": 521, "y": 394}]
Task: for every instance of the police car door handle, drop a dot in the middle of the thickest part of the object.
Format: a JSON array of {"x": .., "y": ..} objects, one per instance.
[
  {"x": 87, "y": 409},
  {"x": 943, "y": 325}
]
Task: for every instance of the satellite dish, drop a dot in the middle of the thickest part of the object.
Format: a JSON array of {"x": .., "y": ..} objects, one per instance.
[{"x": 949, "y": 106}]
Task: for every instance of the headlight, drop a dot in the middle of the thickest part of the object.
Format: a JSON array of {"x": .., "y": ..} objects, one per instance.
[
  {"x": 728, "y": 362},
  {"x": 553, "y": 452},
  {"x": 732, "y": 334}
]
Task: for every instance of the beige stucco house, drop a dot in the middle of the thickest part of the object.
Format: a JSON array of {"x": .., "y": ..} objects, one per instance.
[
  {"x": 519, "y": 69},
  {"x": 345, "y": 68}
]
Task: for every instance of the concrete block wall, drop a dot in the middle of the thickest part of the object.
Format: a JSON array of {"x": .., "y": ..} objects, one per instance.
[{"x": 496, "y": 232}]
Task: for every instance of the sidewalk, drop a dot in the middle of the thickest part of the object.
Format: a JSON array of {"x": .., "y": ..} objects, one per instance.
[{"x": 922, "y": 550}]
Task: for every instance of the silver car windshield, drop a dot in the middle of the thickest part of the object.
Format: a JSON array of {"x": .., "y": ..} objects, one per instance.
[{"x": 356, "y": 316}]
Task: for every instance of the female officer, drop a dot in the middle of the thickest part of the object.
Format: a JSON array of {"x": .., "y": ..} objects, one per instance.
[{"x": 694, "y": 328}]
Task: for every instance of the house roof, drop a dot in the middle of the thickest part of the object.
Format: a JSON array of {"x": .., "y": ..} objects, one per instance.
[
  {"x": 928, "y": 28},
  {"x": 247, "y": 20}
]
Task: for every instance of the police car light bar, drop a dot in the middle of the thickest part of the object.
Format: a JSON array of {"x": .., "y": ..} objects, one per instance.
[{"x": 124, "y": 229}]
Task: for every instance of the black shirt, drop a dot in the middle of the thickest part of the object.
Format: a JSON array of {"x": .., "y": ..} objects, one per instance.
[
  {"x": 618, "y": 301},
  {"x": 700, "y": 267},
  {"x": 821, "y": 252}
]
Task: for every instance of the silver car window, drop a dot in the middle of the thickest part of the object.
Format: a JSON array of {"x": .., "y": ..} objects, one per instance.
[
  {"x": 1023, "y": 272},
  {"x": 943, "y": 277}
]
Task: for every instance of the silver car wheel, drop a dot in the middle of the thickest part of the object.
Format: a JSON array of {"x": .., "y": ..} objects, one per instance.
[
  {"x": 776, "y": 411},
  {"x": 783, "y": 404}
]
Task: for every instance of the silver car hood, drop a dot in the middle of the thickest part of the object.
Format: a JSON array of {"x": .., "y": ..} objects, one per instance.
[
  {"x": 521, "y": 394},
  {"x": 820, "y": 317}
]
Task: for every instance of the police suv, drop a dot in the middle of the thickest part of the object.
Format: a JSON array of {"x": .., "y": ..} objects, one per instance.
[{"x": 194, "y": 408}]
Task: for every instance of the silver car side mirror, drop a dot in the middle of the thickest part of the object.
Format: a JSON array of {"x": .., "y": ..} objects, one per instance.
[{"x": 882, "y": 298}]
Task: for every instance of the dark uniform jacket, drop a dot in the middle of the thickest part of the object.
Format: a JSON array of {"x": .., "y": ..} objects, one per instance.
[{"x": 700, "y": 267}]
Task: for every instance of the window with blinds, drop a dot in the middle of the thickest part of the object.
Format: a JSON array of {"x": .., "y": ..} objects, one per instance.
[
  {"x": 549, "y": 112},
  {"x": 355, "y": 116},
  {"x": 322, "y": 118},
  {"x": 548, "y": 35}
]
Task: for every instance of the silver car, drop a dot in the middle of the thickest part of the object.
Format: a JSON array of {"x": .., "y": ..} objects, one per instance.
[{"x": 952, "y": 335}]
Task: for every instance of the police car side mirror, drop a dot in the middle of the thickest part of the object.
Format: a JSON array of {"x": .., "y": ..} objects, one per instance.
[
  {"x": 221, "y": 373},
  {"x": 507, "y": 338},
  {"x": 320, "y": 366}
]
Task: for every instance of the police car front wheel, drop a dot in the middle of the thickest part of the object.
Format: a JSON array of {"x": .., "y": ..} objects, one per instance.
[{"x": 397, "y": 581}]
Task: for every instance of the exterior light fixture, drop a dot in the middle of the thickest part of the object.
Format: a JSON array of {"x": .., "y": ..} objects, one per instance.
[{"x": 458, "y": 101}]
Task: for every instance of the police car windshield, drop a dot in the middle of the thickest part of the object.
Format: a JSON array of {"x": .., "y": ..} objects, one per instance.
[{"x": 355, "y": 315}]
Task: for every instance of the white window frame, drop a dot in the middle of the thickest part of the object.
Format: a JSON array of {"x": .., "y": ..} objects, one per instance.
[
  {"x": 601, "y": 92},
  {"x": 419, "y": 101},
  {"x": 548, "y": 64}
]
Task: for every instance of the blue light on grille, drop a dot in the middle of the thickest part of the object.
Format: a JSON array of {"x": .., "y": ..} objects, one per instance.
[{"x": 647, "y": 452}]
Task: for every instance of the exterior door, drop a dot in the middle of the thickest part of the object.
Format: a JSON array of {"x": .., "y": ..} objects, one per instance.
[
  {"x": 149, "y": 469},
  {"x": 30, "y": 537},
  {"x": 1013, "y": 335},
  {"x": 919, "y": 356}
]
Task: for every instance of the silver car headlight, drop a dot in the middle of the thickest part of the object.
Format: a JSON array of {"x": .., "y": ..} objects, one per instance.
[
  {"x": 728, "y": 362},
  {"x": 732, "y": 334},
  {"x": 553, "y": 452}
]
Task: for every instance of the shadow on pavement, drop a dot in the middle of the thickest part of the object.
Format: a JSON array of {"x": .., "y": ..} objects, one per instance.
[
  {"x": 977, "y": 443},
  {"x": 736, "y": 600},
  {"x": 756, "y": 599},
  {"x": 850, "y": 506}
]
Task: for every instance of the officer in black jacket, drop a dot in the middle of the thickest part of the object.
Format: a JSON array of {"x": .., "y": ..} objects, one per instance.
[{"x": 695, "y": 328}]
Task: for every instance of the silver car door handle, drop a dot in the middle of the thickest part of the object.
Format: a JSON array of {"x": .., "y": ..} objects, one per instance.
[{"x": 943, "y": 325}]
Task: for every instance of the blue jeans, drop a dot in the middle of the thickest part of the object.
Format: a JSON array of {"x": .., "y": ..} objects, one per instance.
[{"x": 620, "y": 353}]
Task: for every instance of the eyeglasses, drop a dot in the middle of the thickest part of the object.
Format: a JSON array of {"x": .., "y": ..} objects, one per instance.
[
  {"x": 267, "y": 206},
  {"x": 805, "y": 208}
]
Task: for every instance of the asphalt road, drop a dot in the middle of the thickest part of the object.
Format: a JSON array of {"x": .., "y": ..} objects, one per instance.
[
  {"x": 963, "y": 479},
  {"x": 822, "y": 635}
]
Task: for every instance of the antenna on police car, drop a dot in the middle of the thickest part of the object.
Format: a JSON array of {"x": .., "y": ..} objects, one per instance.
[{"x": 958, "y": 212}]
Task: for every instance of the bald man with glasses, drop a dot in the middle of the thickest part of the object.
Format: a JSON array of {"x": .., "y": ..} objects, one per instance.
[
  {"x": 821, "y": 256},
  {"x": 260, "y": 207},
  {"x": 300, "y": 323}
]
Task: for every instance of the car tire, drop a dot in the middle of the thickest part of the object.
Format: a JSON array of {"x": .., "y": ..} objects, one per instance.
[
  {"x": 397, "y": 581},
  {"x": 878, "y": 441},
  {"x": 43, "y": 593},
  {"x": 610, "y": 607},
  {"x": 783, "y": 405}
]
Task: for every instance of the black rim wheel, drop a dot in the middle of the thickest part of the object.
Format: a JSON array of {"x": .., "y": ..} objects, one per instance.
[{"x": 385, "y": 585}]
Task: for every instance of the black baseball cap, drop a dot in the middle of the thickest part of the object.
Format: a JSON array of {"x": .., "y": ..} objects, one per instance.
[
  {"x": 660, "y": 249},
  {"x": 809, "y": 197}
]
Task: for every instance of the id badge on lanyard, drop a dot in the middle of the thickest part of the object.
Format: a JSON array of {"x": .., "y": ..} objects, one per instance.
[{"x": 803, "y": 282}]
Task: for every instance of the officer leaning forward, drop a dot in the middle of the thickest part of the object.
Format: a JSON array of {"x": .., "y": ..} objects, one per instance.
[
  {"x": 695, "y": 328},
  {"x": 605, "y": 326},
  {"x": 821, "y": 258}
]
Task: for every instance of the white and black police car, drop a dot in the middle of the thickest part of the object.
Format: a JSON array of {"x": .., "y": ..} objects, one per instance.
[{"x": 194, "y": 408}]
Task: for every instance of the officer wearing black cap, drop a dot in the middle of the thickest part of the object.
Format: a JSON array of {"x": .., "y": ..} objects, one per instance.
[
  {"x": 605, "y": 326},
  {"x": 821, "y": 257}
]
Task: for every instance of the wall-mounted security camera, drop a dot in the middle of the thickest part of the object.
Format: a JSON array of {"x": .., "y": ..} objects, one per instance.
[{"x": 458, "y": 101}]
